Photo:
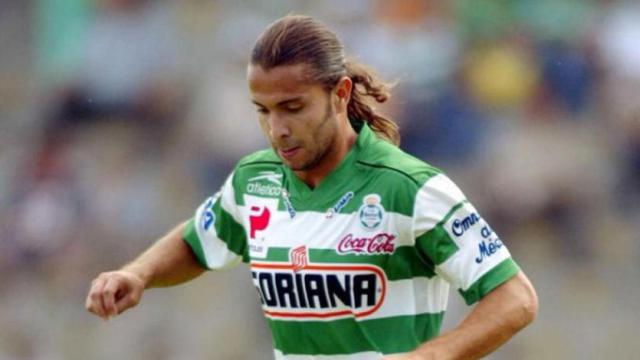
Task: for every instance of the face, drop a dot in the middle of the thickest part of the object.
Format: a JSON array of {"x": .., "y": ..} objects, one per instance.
[{"x": 298, "y": 118}]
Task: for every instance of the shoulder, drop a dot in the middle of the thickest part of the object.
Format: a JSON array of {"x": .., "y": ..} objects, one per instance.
[
  {"x": 398, "y": 166},
  {"x": 259, "y": 161},
  {"x": 262, "y": 167},
  {"x": 258, "y": 158}
]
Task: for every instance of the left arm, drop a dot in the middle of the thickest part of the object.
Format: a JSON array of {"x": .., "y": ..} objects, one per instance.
[{"x": 494, "y": 320}]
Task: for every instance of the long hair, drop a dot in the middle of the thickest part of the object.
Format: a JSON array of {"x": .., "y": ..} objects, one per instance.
[{"x": 296, "y": 39}]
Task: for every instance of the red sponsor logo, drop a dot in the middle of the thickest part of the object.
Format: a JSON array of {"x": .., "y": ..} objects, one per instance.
[
  {"x": 381, "y": 243},
  {"x": 298, "y": 257},
  {"x": 258, "y": 220}
]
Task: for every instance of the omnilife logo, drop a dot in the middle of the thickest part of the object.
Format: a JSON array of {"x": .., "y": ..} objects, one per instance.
[
  {"x": 318, "y": 291},
  {"x": 268, "y": 183}
]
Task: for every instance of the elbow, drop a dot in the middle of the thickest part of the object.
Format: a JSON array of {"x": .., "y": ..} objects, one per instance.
[
  {"x": 530, "y": 309},
  {"x": 528, "y": 305}
]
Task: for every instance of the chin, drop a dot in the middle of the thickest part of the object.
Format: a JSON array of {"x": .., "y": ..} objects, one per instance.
[{"x": 297, "y": 165}]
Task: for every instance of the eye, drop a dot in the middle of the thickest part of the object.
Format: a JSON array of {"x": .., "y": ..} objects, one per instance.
[
  {"x": 262, "y": 111},
  {"x": 292, "y": 109}
]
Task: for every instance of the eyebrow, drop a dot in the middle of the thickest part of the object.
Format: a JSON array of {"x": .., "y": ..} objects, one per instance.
[{"x": 283, "y": 102}]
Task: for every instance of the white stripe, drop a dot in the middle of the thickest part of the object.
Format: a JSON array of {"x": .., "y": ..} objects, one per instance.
[
  {"x": 228, "y": 200},
  {"x": 412, "y": 297},
  {"x": 403, "y": 297},
  {"x": 216, "y": 252},
  {"x": 368, "y": 355},
  {"x": 470, "y": 233},
  {"x": 317, "y": 231},
  {"x": 433, "y": 201},
  {"x": 462, "y": 270}
]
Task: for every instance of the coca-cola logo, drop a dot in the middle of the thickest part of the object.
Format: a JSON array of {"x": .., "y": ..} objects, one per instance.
[{"x": 381, "y": 243}]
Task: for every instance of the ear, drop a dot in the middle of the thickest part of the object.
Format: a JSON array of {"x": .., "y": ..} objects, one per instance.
[{"x": 342, "y": 90}]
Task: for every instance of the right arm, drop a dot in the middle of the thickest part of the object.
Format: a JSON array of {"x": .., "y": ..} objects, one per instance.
[{"x": 168, "y": 262}]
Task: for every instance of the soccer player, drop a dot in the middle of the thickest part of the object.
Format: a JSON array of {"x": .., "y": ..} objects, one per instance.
[{"x": 352, "y": 243}]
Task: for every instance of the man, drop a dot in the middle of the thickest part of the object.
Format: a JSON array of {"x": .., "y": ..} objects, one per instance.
[{"x": 352, "y": 243}]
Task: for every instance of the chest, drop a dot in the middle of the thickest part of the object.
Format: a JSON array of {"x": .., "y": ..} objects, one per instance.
[
  {"x": 325, "y": 262},
  {"x": 274, "y": 227}
]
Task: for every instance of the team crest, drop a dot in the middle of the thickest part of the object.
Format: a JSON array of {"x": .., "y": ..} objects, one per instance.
[{"x": 371, "y": 212}]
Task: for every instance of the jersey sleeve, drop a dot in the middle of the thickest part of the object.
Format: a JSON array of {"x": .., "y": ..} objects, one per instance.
[
  {"x": 450, "y": 232},
  {"x": 215, "y": 233}
]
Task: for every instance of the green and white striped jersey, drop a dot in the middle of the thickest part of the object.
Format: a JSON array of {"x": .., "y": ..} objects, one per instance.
[{"x": 361, "y": 265}]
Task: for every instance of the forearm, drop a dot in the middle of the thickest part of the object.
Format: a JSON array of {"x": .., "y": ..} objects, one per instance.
[
  {"x": 167, "y": 262},
  {"x": 493, "y": 321}
]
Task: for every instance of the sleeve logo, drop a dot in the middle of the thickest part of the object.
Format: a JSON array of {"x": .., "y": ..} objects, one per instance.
[
  {"x": 460, "y": 226},
  {"x": 208, "y": 216},
  {"x": 489, "y": 245}
]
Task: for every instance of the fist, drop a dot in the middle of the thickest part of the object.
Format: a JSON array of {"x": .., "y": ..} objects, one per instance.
[{"x": 113, "y": 292}]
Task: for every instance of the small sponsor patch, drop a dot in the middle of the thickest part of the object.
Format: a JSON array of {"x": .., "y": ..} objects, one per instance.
[
  {"x": 298, "y": 258},
  {"x": 208, "y": 216},
  {"x": 287, "y": 203},
  {"x": 259, "y": 218},
  {"x": 341, "y": 203}
]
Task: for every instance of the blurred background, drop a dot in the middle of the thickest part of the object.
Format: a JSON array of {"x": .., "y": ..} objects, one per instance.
[{"x": 118, "y": 117}]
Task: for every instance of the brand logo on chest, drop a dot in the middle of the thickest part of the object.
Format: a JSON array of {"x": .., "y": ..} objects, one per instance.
[{"x": 381, "y": 243}]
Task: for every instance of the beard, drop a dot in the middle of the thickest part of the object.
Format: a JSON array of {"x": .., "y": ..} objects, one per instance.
[{"x": 325, "y": 139}]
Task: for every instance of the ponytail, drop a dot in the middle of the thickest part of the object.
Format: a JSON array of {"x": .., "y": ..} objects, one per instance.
[{"x": 367, "y": 86}]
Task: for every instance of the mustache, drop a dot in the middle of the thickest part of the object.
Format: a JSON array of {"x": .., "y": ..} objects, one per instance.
[{"x": 285, "y": 146}]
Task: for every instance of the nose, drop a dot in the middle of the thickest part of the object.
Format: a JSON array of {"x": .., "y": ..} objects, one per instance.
[{"x": 278, "y": 127}]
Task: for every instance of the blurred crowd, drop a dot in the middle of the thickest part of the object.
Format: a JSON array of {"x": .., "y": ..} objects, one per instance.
[{"x": 117, "y": 117}]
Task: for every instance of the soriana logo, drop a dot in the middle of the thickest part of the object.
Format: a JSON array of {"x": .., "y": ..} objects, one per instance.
[{"x": 301, "y": 289}]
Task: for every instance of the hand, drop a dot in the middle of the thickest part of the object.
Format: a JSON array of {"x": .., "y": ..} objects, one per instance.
[{"x": 113, "y": 292}]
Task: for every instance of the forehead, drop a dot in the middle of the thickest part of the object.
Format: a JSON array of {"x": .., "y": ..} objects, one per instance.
[{"x": 280, "y": 82}]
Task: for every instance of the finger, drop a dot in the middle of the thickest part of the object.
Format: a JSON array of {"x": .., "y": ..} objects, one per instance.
[
  {"x": 94, "y": 299},
  {"x": 88, "y": 303},
  {"x": 126, "y": 302},
  {"x": 108, "y": 297},
  {"x": 131, "y": 295},
  {"x": 100, "y": 297}
]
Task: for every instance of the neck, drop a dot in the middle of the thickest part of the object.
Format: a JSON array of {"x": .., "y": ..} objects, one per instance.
[{"x": 341, "y": 145}]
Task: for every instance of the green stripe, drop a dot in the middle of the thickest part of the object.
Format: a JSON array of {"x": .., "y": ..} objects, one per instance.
[
  {"x": 489, "y": 281},
  {"x": 190, "y": 236},
  {"x": 404, "y": 263},
  {"x": 436, "y": 243},
  {"x": 397, "y": 192},
  {"x": 227, "y": 229},
  {"x": 230, "y": 231},
  {"x": 347, "y": 336}
]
